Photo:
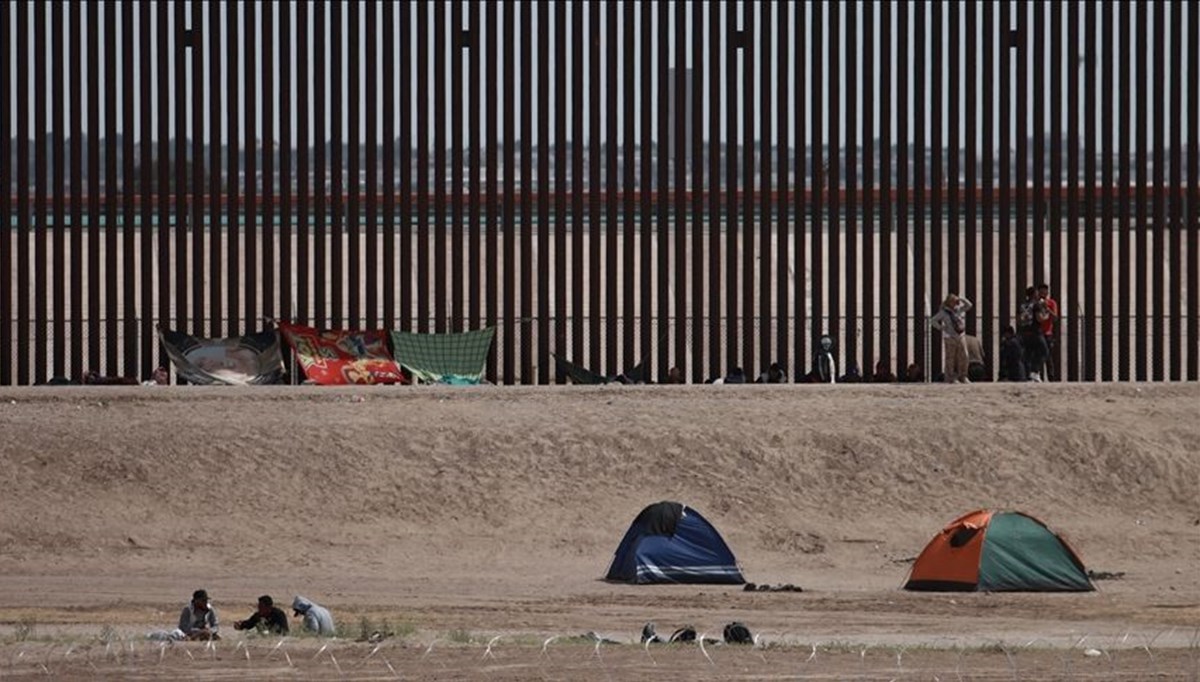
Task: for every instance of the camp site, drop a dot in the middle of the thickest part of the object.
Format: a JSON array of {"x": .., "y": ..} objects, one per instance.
[
  {"x": 605, "y": 341},
  {"x": 473, "y": 520}
]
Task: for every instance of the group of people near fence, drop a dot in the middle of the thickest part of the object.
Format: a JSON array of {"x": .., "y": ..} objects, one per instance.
[
  {"x": 199, "y": 621},
  {"x": 772, "y": 375},
  {"x": 824, "y": 370},
  {"x": 1026, "y": 351}
]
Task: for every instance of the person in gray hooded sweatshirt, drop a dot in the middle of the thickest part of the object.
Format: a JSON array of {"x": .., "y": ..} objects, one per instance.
[{"x": 316, "y": 617}]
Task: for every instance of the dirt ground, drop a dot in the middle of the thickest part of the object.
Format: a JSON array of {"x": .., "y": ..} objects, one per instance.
[{"x": 474, "y": 525}]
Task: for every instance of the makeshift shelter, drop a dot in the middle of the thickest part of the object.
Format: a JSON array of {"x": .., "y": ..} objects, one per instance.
[
  {"x": 671, "y": 543},
  {"x": 444, "y": 358},
  {"x": 336, "y": 357},
  {"x": 578, "y": 374},
  {"x": 241, "y": 360},
  {"x": 998, "y": 551}
]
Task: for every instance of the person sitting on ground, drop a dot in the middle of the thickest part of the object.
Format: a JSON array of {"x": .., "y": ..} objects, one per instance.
[
  {"x": 771, "y": 375},
  {"x": 267, "y": 619},
  {"x": 316, "y": 617},
  {"x": 852, "y": 375},
  {"x": 737, "y": 376},
  {"x": 674, "y": 376},
  {"x": 1012, "y": 356},
  {"x": 94, "y": 378},
  {"x": 976, "y": 367},
  {"x": 913, "y": 374},
  {"x": 774, "y": 375},
  {"x": 824, "y": 366},
  {"x": 198, "y": 620},
  {"x": 883, "y": 374}
]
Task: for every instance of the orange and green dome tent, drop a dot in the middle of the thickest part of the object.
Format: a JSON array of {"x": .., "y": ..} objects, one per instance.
[{"x": 998, "y": 551}]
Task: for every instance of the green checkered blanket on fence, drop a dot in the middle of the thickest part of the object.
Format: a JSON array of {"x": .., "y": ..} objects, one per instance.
[{"x": 444, "y": 358}]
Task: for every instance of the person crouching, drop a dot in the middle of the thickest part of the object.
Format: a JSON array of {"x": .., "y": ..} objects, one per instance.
[
  {"x": 317, "y": 618},
  {"x": 198, "y": 620},
  {"x": 267, "y": 619}
]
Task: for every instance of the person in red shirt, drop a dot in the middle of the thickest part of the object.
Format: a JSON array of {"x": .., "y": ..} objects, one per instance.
[{"x": 1047, "y": 321}]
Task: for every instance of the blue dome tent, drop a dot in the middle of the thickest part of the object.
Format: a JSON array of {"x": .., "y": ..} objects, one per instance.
[{"x": 670, "y": 543}]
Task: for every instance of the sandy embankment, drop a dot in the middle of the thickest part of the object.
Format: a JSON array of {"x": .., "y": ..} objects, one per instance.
[{"x": 496, "y": 510}]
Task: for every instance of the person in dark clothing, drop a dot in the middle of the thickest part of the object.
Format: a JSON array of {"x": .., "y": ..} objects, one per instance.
[
  {"x": 737, "y": 376},
  {"x": 852, "y": 375},
  {"x": 773, "y": 375},
  {"x": 914, "y": 374},
  {"x": 883, "y": 374},
  {"x": 1029, "y": 318},
  {"x": 268, "y": 618},
  {"x": 1012, "y": 356},
  {"x": 776, "y": 375}
]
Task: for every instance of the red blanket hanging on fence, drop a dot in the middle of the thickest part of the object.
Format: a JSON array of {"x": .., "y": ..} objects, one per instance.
[{"x": 334, "y": 356}]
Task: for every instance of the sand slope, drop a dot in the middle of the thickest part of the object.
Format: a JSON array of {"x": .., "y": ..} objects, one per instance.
[{"x": 498, "y": 509}]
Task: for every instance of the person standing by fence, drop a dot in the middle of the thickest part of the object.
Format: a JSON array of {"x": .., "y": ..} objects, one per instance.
[
  {"x": 1030, "y": 319},
  {"x": 824, "y": 365},
  {"x": 951, "y": 320},
  {"x": 1047, "y": 320}
]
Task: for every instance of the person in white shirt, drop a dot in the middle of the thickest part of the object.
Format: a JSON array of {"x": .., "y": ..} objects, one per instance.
[{"x": 198, "y": 620}]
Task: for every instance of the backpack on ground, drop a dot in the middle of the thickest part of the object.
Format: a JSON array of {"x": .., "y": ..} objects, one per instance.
[
  {"x": 686, "y": 633},
  {"x": 738, "y": 633}
]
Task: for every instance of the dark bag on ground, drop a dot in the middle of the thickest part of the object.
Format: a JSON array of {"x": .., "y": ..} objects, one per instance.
[
  {"x": 684, "y": 634},
  {"x": 977, "y": 371},
  {"x": 737, "y": 633}
]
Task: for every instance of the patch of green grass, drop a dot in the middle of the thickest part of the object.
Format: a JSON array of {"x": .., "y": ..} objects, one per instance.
[
  {"x": 25, "y": 630},
  {"x": 839, "y": 647},
  {"x": 28, "y": 629},
  {"x": 523, "y": 640},
  {"x": 108, "y": 634},
  {"x": 342, "y": 631},
  {"x": 460, "y": 636},
  {"x": 369, "y": 629},
  {"x": 402, "y": 629}
]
